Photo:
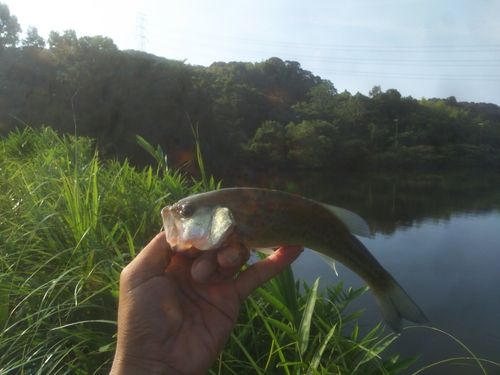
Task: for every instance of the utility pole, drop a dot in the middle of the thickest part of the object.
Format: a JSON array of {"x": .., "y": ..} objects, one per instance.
[
  {"x": 396, "y": 136},
  {"x": 142, "y": 31}
]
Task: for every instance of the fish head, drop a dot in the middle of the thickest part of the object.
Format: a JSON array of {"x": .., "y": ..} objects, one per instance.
[{"x": 189, "y": 223}]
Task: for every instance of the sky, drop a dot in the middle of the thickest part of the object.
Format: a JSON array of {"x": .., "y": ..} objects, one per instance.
[{"x": 422, "y": 48}]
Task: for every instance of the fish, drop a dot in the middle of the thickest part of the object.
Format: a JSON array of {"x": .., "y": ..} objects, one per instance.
[{"x": 264, "y": 219}]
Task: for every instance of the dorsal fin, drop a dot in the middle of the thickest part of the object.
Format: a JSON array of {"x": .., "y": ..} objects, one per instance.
[{"x": 352, "y": 221}]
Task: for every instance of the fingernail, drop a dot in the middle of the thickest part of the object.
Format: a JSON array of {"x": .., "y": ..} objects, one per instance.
[
  {"x": 203, "y": 270},
  {"x": 232, "y": 257}
]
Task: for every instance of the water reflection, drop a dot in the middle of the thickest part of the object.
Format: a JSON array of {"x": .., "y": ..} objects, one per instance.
[{"x": 439, "y": 236}]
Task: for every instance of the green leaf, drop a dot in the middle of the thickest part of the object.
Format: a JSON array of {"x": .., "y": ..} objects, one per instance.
[
  {"x": 255, "y": 367},
  {"x": 401, "y": 365},
  {"x": 315, "y": 361},
  {"x": 4, "y": 308},
  {"x": 377, "y": 349},
  {"x": 305, "y": 324},
  {"x": 276, "y": 303},
  {"x": 146, "y": 145},
  {"x": 283, "y": 327},
  {"x": 285, "y": 283}
]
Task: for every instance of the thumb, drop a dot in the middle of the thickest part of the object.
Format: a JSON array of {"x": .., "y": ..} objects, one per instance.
[{"x": 152, "y": 261}]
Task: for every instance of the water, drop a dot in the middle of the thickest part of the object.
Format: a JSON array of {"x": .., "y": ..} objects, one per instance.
[{"x": 439, "y": 236}]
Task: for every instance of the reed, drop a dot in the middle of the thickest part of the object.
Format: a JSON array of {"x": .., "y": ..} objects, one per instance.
[{"x": 69, "y": 224}]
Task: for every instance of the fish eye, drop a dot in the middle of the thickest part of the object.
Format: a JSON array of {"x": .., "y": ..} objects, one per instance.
[{"x": 187, "y": 210}]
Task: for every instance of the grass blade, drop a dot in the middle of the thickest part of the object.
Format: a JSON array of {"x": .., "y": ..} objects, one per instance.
[{"x": 305, "y": 324}]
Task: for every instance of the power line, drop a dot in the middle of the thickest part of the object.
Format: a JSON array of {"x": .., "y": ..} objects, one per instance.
[
  {"x": 373, "y": 74},
  {"x": 343, "y": 56},
  {"x": 355, "y": 60},
  {"x": 423, "y": 77},
  {"x": 351, "y": 48}
]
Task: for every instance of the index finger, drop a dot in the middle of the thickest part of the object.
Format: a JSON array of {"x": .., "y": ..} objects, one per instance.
[{"x": 261, "y": 272}]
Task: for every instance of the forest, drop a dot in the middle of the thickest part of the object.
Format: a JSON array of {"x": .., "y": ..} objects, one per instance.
[{"x": 270, "y": 114}]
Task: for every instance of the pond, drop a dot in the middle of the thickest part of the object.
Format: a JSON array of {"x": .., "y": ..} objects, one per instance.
[{"x": 438, "y": 234}]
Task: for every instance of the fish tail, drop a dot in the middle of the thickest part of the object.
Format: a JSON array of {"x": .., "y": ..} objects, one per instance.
[
  {"x": 396, "y": 305},
  {"x": 392, "y": 300}
]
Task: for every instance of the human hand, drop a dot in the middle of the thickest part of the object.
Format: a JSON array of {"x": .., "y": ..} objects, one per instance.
[{"x": 176, "y": 313}]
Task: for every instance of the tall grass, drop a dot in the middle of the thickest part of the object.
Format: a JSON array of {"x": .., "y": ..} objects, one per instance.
[{"x": 70, "y": 222}]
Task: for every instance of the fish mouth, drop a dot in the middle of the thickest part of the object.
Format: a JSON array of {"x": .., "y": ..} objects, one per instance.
[{"x": 206, "y": 231}]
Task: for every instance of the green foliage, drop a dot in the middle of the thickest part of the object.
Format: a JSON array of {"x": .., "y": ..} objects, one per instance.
[
  {"x": 71, "y": 222},
  {"x": 240, "y": 108},
  {"x": 287, "y": 331},
  {"x": 269, "y": 144},
  {"x": 321, "y": 104},
  {"x": 32, "y": 39},
  {"x": 310, "y": 143},
  {"x": 9, "y": 28},
  {"x": 375, "y": 91}
]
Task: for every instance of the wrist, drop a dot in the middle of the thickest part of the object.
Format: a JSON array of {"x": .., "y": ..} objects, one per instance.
[{"x": 128, "y": 366}]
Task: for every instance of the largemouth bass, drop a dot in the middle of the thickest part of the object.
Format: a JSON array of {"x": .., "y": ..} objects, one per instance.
[{"x": 261, "y": 218}]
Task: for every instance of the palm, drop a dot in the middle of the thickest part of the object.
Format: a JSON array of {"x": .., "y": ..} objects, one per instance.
[{"x": 201, "y": 316}]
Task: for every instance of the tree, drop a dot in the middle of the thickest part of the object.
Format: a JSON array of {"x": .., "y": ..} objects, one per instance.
[
  {"x": 310, "y": 144},
  {"x": 322, "y": 94},
  {"x": 9, "y": 27},
  {"x": 68, "y": 41},
  {"x": 321, "y": 104},
  {"x": 376, "y": 90},
  {"x": 349, "y": 112},
  {"x": 269, "y": 144},
  {"x": 32, "y": 38},
  {"x": 97, "y": 43},
  {"x": 64, "y": 47}
]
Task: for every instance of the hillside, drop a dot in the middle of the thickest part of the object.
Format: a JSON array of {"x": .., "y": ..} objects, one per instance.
[{"x": 267, "y": 114}]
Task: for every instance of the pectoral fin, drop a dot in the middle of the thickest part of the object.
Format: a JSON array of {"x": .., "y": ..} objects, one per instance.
[{"x": 328, "y": 260}]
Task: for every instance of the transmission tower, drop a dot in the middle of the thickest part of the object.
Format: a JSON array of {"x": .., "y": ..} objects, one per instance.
[{"x": 142, "y": 31}]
